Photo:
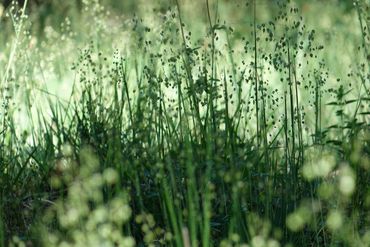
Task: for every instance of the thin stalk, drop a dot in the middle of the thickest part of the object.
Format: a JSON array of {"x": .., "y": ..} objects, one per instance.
[
  {"x": 256, "y": 71},
  {"x": 192, "y": 194},
  {"x": 187, "y": 66},
  {"x": 213, "y": 81},
  {"x": 291, "y": 99},
  {"x": 171, "y": 211}
]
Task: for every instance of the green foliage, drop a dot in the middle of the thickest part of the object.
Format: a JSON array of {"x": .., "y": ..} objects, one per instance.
[{"x": 242, "y": 127}]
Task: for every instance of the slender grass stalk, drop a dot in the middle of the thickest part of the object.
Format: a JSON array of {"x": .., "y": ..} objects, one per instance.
[{"x": 256, "y": 86}]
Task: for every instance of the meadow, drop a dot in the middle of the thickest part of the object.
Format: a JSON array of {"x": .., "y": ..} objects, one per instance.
[{"x": 185, "y": 123}]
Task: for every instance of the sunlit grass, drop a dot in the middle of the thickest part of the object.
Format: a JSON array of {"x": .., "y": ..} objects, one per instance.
[{"x": 187, "y": 124}]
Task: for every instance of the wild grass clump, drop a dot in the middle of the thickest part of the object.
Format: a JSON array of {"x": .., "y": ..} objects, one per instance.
[{"x": 188, "y": 135}]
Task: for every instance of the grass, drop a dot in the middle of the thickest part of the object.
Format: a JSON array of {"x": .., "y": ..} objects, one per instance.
[{"x": 176, "y": 128}]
